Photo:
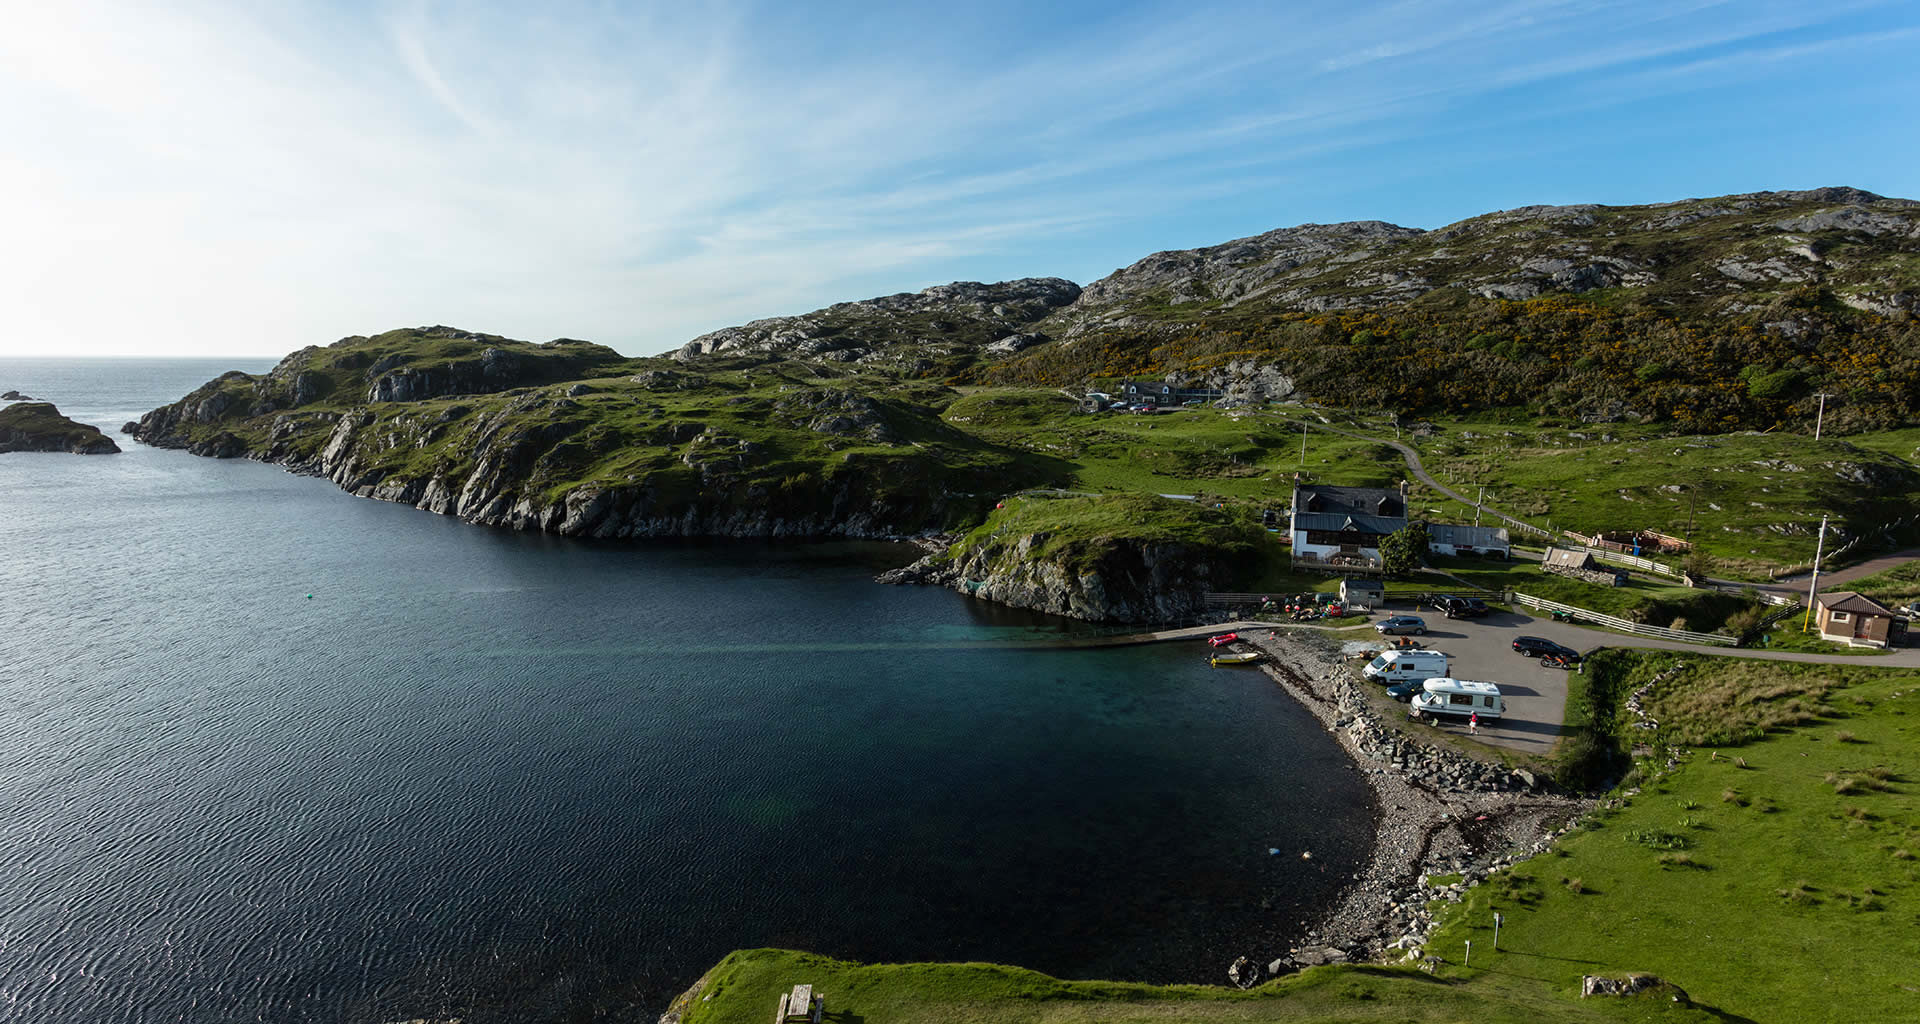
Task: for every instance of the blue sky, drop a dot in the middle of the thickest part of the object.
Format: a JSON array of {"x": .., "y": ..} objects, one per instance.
[{"x": 247, "y": 178}]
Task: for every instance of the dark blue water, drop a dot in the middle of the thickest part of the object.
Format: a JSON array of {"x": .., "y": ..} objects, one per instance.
[{"x": 518, "y": 778}]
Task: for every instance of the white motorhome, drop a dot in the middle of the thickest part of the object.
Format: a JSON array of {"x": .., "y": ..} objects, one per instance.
[
  {"x": 1461, "y": 697},
  {"x": 1405, "y": 666}
]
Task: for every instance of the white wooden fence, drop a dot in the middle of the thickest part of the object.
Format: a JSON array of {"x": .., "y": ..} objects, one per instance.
[
  {"x": 1636, "y": 561},
  {"x": 1636, "y": 628}
]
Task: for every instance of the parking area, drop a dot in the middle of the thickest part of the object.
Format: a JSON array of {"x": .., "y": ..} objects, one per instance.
[{"x": 1482, "y": 649}]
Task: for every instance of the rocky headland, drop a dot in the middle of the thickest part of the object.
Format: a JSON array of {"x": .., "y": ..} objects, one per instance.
[
  {"x": 28, "y": 426},
  {"x": 862, "y": 419}
]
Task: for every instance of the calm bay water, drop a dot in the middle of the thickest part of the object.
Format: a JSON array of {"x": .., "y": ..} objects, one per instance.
[{"x": 271, "y": 752}]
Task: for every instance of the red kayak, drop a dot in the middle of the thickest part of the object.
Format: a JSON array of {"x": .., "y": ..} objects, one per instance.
[{"x": 1223, "y": 639}]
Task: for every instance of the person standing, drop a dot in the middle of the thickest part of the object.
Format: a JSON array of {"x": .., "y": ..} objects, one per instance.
[{"x": 1473, "y": 724}]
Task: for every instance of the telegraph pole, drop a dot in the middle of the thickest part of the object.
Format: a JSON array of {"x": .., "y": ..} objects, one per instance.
[
  {"x": 1477, "y": 502},
  {"x": 1303, "y": 442},
  {"x": 1822, "y": 415},
  {"x": 1813, "y": 587}
]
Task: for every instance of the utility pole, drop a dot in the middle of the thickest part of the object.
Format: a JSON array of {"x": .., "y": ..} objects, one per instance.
[
  {"x": 1693, "y": 493},
  {"x": 1813, "y": 587},
  {"x": 1477, "y": 502},
  {"x": 1303, "y": 442},
  {"x": 1822, "y": 415}
]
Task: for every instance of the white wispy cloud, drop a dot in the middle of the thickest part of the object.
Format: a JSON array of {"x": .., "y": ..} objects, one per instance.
[{"x": 224, "y": 177}]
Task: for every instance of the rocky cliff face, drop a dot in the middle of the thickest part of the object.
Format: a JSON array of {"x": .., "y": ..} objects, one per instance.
[
  {"x": 492, "y": 438},
  {"x": 39, "y": 427},
  {"x": 1135, "y": 581},
  {"x": 1132, "y": 581}
]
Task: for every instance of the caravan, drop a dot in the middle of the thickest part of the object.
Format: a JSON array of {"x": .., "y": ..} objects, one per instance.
[
  {"x": 1460, "y": 697},
  {"x": 1405, "y": 666}
]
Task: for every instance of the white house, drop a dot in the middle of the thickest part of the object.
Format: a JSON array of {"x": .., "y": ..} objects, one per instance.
[
  {"x": 1448, "y": 539},
  {"x": 1337, "y": 524}
]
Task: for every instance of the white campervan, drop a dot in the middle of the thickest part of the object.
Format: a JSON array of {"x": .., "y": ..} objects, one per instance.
[
  {"x": 1460, "y": 697},
  {"x": 1405, "y": 666}
]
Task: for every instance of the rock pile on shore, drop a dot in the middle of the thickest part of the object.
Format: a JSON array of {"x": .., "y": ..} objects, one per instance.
[{"x": 1441, "y": 814}]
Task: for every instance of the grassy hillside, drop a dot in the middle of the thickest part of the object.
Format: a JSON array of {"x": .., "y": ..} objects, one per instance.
[
  {"x": 1250, "y": 453},
  {"x": 1555, "y": 355}
]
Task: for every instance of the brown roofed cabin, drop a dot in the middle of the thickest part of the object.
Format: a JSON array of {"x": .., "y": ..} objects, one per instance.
[{"x": 1848, "y": 618}]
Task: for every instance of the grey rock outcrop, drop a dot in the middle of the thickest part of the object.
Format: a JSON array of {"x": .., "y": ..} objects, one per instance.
[
  {"x": 1130, "y": 581},
  {"x": 964, "y": 314}
]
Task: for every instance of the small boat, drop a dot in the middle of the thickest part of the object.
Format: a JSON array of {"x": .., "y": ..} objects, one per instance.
[
  {"x": 1235, "y": 658},
  {"x": 1222, "y": 640}
]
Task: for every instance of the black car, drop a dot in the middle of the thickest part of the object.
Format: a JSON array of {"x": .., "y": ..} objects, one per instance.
[
  {"x": 1540, "y": 647},
  {"x": 1405, "y": 692},
  {"x": 1461, "y": 607}
]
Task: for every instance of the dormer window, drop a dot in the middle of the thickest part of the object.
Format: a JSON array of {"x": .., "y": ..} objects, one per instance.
[
  {"x": 1387, "y": 507},
  {"x": 1313, "y": 503}
]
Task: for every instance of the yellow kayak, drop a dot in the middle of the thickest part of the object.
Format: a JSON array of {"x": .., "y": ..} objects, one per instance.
[{"x": 1236, "y": 658}]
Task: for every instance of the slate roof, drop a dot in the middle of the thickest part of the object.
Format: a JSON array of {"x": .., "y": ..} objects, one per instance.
[
  {"x": 1848, "y": 601},
  {"x": 1467, "y": 536},
  {"x": 1357, "y": 501},
  {"x": 1335, "y": 522}
]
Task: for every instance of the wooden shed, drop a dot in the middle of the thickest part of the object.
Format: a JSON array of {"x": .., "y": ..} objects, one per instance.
[
  {"x": 1363, "y": 593},
  {"x": 1855, "y": 620}
]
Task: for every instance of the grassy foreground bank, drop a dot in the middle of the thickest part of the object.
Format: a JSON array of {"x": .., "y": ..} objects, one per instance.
[
  {"x": 1772, "y": 873},
  {"x": 745, "y": 986}
]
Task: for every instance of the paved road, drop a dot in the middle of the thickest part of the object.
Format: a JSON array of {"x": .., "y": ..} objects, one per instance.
[
  {"x": 1842, "y": 577},
  {"x": 1536, "y": 696}
]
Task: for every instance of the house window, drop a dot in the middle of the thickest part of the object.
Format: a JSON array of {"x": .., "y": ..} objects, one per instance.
[{"x": 1838, "y": 617}]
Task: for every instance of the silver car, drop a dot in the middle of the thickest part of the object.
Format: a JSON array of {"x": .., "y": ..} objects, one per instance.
[{"x": 1402, "y": 624}]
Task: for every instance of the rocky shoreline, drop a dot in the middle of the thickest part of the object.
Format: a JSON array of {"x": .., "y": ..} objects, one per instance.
[{"x": 1441, "y": 814}]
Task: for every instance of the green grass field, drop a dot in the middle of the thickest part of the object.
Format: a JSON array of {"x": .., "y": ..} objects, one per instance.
[{"x": 1775, "y": 880}]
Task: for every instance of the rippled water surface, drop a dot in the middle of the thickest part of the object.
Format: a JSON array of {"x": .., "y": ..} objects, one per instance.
[{"x": 271, "y": 752}]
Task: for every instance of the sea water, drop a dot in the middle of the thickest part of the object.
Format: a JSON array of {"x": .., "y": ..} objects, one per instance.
[{"x": 272, "y": 752}]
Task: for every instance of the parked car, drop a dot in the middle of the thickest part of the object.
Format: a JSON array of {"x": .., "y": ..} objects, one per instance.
[
  {"x": 1405, "y": 692},
  {"x": 1461, "y": 607},
  {"x": 1540, "y": 647},
  {"x": 1402, "y": 624}
]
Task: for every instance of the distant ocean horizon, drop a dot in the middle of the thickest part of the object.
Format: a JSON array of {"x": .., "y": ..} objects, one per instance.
[{"x": 273, "y": 752}]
